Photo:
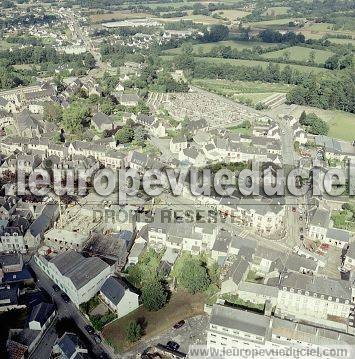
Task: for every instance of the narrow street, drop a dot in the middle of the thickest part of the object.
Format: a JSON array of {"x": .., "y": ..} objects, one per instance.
[{"x": 64, "y": 310}]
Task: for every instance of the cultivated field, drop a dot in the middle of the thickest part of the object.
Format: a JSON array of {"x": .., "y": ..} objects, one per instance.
[{"x": 299, "y": 53}]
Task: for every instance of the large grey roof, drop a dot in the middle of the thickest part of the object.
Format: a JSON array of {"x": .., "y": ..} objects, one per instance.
[
  {"x": 238, "y": 269},
  {"x": 79, "y": 269},
  {"x": 323, "y": 286},
  {"x": 240, "y": 320},
  {"x": 321, "y": 218},
  {"x": 338, "y": 235}
]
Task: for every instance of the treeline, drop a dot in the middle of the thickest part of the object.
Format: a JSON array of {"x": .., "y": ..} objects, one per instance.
[
  {"x": 10, "y": 78},
  {"x": 272, "y": 73},
  {"x": 330, "y": 91},
  {"x": 273, "y": 36},
  {"x": 41, "y": 55}
]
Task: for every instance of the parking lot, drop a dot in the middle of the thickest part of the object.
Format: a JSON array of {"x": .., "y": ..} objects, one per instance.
[{"x": 192, "y": 332}]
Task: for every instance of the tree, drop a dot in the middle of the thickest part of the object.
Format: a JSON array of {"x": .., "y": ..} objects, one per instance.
[
  {"x": 133, "y": 331},
  {"x": 140, "y": 135},
  {"x": 125, "y": 135},
  {"x": 217, "y": 33},
  {"x": 74, "y": 116},
  {"x": 154, "y": 295},
  {"x": 192, "y": 275},
  {"x": 303, "y": 117},
  {"x": 53, "y": 112}
]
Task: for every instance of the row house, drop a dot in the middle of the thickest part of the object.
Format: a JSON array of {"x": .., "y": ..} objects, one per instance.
[
  {"x": 315, "y": 299},
  {"x": 235, "y": 328}
]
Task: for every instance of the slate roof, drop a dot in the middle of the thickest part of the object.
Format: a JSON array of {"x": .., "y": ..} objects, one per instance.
[
  {"x": 78, "y": 269},
  {"x": 338, "y": 235},
  {"x": 41, "y": 313},
  {"x": 240, "y": 320},
  {"x": 321, "y": 218},
  {"x": 114, "y": 289},
  {"x": 69, "y": 344}
]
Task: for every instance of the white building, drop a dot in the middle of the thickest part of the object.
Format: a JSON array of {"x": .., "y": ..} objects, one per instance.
[
  {"x": 118, "y": 297},
  {"x": 79, "y": 277}
]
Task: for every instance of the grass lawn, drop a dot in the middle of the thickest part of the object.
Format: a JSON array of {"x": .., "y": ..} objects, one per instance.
[
  {"x": 341, "y": 124},
  {"x": 181, "y": 306},
  {"x": 299, "y": 53}
]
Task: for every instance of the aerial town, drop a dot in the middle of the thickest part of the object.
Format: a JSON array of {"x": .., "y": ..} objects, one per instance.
[{"x": 99, "y": 260}]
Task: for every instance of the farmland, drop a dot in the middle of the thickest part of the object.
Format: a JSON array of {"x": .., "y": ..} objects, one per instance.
[
  {"x": 276, "y": 10},
  {"x": 232, "y": 14},
  {"x": 275, "y": 22},
  {"x": 298, "y": 53},
  {"x": 264, "y": 64},
  {"x": 239, "y": 45},
  {"x": 117, "y": 15}
]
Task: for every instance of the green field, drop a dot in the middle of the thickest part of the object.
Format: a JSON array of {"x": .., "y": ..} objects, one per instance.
[
  {"x": 276, "y": 10},
  {"x": 341, "y": 124},
  {"x": 342, "y": 41},
  {"x": 299, "y": 53},
  {"x": 4, "y": 45},
  {"x": 238, "y": 62},
  {"x": 239, "y": 45},
  {"x": 232, "y": 14},
  {"x": 321, "y": 26},
  {"x": 275, "y": 22},
  {"x": 202, "y": 19}
]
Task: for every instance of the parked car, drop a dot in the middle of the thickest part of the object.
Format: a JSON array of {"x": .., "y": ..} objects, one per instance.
[
  {"x": 56, "y": 288},
  {"x": 97, "y": 338},
  {"x": 89, "y": 329},
  {"x": 293, "y": 209},
  {"x": 65, "y": 298},
  {"x": 179, "y": 324},
  {"x": 172, "y": 345},
  {"x": 301, "y": 237}
]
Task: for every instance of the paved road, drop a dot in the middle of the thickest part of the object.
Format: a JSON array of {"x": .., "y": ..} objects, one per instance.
[{"x": 64, "y": 310}]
